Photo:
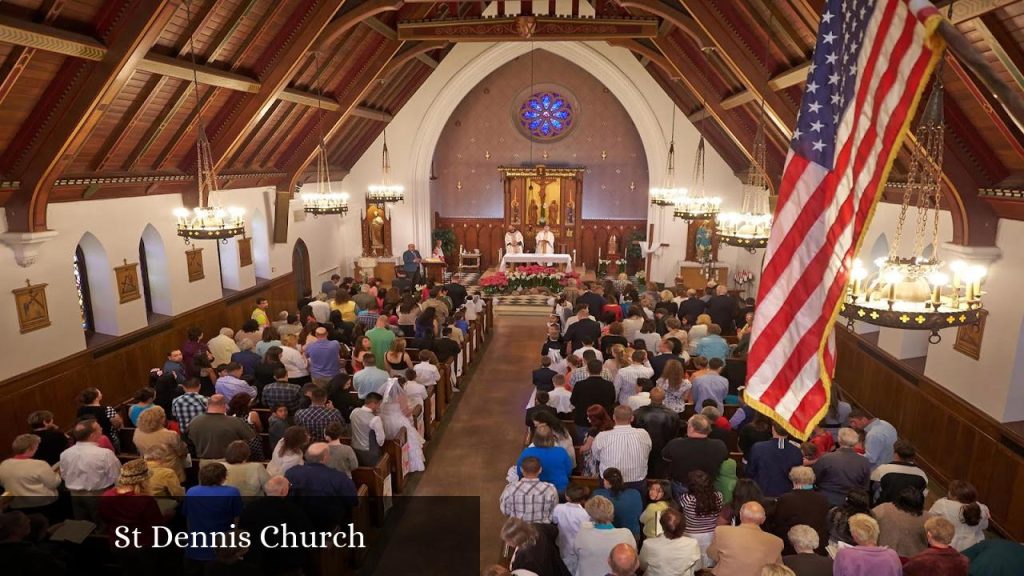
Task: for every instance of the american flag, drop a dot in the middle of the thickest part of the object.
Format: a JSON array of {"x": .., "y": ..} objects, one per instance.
[{"x": 871, "y": 62}]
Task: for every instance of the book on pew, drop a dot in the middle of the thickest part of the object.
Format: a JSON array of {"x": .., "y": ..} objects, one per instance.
[{"x": 75, "y": 531}]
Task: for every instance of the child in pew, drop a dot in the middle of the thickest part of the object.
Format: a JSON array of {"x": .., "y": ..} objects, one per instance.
[
  {"x": 659, "y": 494},
  {"x": 569, "y": 516},
  {"x": 277, "y": 424}
]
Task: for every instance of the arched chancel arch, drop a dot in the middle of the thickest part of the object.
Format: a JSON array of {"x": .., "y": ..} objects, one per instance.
[{"x": 469, "y": 75}]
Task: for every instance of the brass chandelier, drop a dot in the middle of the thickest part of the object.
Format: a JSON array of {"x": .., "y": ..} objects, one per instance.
[
  {"x": 698, "y": 206},
  {"x": 205, "y": 222},
  {"x": 323, "y": 200},
  {"x": 668, "y": 194},
  {"x": 751, "y": 226},
  {"x": 916, "y": 292},
  {"x": 385, "y": 192}
]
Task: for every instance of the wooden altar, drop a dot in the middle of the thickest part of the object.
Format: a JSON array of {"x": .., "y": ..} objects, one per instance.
[{"x": 539, "y": 196}]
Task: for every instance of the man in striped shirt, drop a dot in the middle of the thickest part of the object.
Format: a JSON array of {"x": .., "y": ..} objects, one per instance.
[
  {"x": 529, "y": 499},
  {"x": 625, "y": 448}
]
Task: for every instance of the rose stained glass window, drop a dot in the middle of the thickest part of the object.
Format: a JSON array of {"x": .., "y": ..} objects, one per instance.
[{"x": 546, "y": 115}]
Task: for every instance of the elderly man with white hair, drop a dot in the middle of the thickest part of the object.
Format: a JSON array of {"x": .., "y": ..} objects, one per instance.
[
  {"x": 802, "y": 505},
  {"x": 843, "y": 470},
  {"x": 742, "y": 550},
  {"x": 805, "y": 562},
  {"x": 222, "y": 346}
]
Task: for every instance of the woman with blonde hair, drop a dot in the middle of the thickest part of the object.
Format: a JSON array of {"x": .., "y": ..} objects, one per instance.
[
  {"x": 294, "y": 360},
  {"x": 677, "y": 388},
  {"x": 152, "y": 432},
  {"x": 597, "y": 537},
  {"x": 867, "y": 558},
  {"x": 163, "y": 481},
  {"x": 397, "y": 359},
  {"x": 698, "y": 331},
  {"x": 776, "y": 570},
  {"x": 617, "y": 360}
]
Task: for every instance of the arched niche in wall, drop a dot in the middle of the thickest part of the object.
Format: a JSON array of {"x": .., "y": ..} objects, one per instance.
[
  {"x": 300, "y": 268},
  {"x": 260, "y": 245},
  {"x": 155, "y": 271},
  {"x": 880, "y": 249},
  {"x": 98, "y": 290}
]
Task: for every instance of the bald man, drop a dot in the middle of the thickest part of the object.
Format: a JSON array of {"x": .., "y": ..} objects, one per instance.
[
  {"x": 742, "y": 550},
  {"x": 274, "y": 510},
  {"x": 325, "y": 494},
  {"x": 623, "y": 560}
]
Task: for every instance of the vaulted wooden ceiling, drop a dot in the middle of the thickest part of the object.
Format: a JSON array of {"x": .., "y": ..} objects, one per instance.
[{"x": 96, "y": 98}]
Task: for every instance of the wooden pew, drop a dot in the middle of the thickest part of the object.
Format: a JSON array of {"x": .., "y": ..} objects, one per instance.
[
  {"x": 377, "y": 480},
  {"x": 394, "y": 449}
]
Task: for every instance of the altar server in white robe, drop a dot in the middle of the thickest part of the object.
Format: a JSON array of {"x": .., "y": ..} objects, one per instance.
[
  {"x": 513, "y": 241},
  {"x": 545, "y": 241}
]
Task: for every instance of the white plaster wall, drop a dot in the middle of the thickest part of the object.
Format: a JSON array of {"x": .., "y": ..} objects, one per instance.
[
  {"x": 118, "y": 225},
  {"x": 995, "y": 383},
  {"x": 413, "y": 134}
]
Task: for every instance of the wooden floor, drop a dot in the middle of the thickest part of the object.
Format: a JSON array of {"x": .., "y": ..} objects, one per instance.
[{"x": 486, "y": 432}]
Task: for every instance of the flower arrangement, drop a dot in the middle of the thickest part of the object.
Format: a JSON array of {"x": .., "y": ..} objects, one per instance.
[
  {"x": 641, "y": 278},
  {"x": 743, "y": 277},
  {"x": 602, "y": 266},
  {"x": 526, "y": 278}
]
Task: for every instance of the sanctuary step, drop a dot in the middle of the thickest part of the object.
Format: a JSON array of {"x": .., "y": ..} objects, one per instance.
[{"x": 522, "y": 305}]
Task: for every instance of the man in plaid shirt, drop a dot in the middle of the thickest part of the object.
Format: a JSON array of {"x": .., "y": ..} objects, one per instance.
[
  {"x": 530, "y": 499},
  {"x": 316, "y": 418},
  {"x": 188, "y": 405}
]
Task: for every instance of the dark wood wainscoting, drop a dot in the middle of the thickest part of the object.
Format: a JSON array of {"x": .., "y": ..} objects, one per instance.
[
  {"x": 954, "y": 439},
  {"x": 121, "y": 366},
  {"x": 488, "y": 234}
]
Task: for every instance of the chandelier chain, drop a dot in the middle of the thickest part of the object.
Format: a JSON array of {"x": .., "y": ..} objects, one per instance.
[{"x": 206, "y": 179}]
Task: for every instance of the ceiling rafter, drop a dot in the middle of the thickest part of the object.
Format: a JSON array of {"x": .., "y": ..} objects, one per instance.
[
  {"x": 993, "y": 110},
  {"x": 304, "y": 151},
  {"x": 410, "y": 51},
  {"x": 18, "y": 60},
  {"x": 140, "y": 26},
  {"x": 207, "y": 101},
  {"x": 280, "y": 63},
  {"x": 1010, "y": 56}
]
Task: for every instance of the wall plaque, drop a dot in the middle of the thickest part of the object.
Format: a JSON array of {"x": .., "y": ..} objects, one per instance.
[
  {"x": 245, "y": 252},
  {"x": 33, "y": 313},
  {"x": 968, "y": 337},
  {"x": 127, "y": 281},
  {"x": 194, "y": 259}
]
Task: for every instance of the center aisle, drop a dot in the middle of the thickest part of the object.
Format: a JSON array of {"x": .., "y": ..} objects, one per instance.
[{"x": 486, "y": 433}]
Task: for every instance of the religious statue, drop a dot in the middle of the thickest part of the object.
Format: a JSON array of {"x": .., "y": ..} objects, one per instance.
[
  {"x": 513, "y": 241},
  {"x": 532, "y": 212},
  {"x": 553, "y": 212},
  {"x": 376, "y": 230},
  {"x": 515, "y": 211},
  {"x": 545, "y": 241},
  {"x": 613, "y": 245},
  {"x": 703, "y": 244},
  {"x": 570, "y": 213}
]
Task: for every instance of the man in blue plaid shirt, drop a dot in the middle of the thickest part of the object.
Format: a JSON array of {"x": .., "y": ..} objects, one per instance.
[
  {"x": 316, "y": 418},
  {"x": 188, "y": 405}
]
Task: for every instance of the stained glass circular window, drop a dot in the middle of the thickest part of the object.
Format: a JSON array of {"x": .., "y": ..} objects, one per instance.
[{"x": 546, "y": 115}]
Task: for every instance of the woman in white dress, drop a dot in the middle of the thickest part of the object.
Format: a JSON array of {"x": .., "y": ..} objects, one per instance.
[{"x": 395, "y": 414}]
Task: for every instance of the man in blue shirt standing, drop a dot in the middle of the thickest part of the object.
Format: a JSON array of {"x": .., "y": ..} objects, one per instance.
[
  {"x": 712, "y": 385},
  {"x": 324, "y": 358},
  {"x": 411, "y": 263},
  {"x": 879, "y": 437},
  {"x": 713, "y": 345}
]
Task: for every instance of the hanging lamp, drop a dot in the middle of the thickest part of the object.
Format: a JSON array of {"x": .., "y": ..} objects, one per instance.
[
  {"x": 696, "y": 205},
  {"x": 205, "y": 222},
  {"x": 918, "y": 292},
  {"x": 385, "y": 192},
  {"x": 668, "y": 194},
  {"x": 323, "y": 200}
]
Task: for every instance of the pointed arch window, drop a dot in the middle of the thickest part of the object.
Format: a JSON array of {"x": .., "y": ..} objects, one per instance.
[{"x": 82, "y": 288}]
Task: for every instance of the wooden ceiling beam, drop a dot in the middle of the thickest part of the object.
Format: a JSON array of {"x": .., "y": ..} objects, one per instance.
[
  {"x": 701, "y": 89},
  {"x": 282, "y": 61},
  {"x": 781, "y": 112},
  {"x": 266, "y": 23},
  {"x": 792, "y": 77},
  {"x": 381, "y": 28},
  {"x": 364, "y": 12},
  {"x": 650, "y": 54},
  {"x": 989, "y": 107},
  {"x": 1010, "y": 55},
  {"x": 372, "y": 114},
  {"x": 139, "y": 29},
  {"x": 408, "y": 53},
  {"x": 18, "y": 59},
  {"x": 677, "y": 17},
  {"x": 965, "y": 10}
]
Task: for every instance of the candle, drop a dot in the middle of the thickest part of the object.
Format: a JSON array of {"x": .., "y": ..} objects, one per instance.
[
  {"x": 936, "y": 295},
  {"x": 970, "y": 291}
]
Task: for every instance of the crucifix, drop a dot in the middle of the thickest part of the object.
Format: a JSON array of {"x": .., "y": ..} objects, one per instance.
[{"x": 649, "y": 248}]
